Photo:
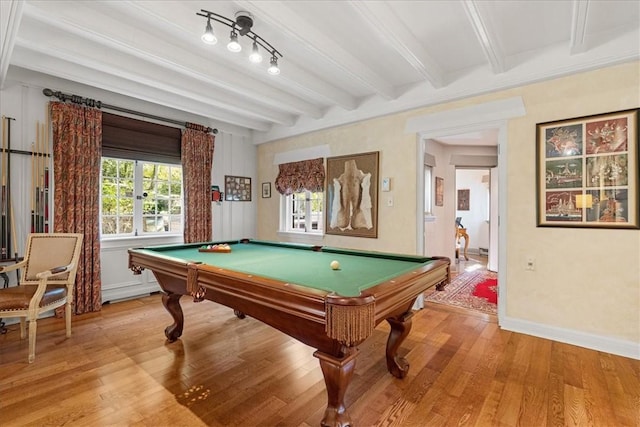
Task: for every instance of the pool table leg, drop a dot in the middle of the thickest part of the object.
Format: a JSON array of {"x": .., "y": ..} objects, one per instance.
[
  {"x": 171, "y": 302},
  {"x": 400, "y": 327},
  {"x": 337, "y": 376}
]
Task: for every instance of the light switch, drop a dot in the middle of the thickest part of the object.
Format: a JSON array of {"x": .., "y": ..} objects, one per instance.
[{"x": 386, "y": 184}]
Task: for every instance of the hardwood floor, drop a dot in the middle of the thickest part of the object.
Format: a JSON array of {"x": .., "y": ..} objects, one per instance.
[
  {"x": 474, "y": 263},
  {"x": 118, "y": 370}
]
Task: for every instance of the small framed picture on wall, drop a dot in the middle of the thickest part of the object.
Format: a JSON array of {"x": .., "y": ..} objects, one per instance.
[
  {"x": 463, "y": 200},
  {"x": 266, "y": 190},
  {"x": 439, "y": 191},
  {"x": 237, "y": 188}
]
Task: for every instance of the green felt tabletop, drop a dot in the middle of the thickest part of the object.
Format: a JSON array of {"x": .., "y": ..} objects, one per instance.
[{"x": 298, "y": 264}]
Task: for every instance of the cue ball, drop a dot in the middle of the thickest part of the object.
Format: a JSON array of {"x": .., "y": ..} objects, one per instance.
[{"x": 335, "y": 265}]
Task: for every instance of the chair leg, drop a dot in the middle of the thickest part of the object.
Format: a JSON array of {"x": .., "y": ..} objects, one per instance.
[
  {"x": 67, "y": 316},
  {"x": 23, "y": 328},
  {"x": 32, "y": 340}
]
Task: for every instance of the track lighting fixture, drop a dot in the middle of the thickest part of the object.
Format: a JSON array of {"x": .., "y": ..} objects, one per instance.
[{"x": 241, "y": 26}]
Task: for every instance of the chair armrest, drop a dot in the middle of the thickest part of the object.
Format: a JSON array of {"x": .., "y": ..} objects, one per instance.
[
  {"x": 43, "y": 277},
  {"x": 11, "y": 267},
  {"x": 54, "y": 271}
]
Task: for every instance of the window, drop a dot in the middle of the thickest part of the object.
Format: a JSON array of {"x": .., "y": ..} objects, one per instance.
[
  {"x": 428, "y": 190},
  {"x": 139, "y": 198},
  {"x": 488, "y": 207},
  {"x": 303, "y": 212}
]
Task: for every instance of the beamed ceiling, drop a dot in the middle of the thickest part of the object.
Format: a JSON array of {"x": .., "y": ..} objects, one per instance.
[{"x": 343, "y": 60}]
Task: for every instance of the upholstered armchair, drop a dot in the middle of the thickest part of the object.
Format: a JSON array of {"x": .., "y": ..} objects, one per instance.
[{"x": 47, "y": 278}]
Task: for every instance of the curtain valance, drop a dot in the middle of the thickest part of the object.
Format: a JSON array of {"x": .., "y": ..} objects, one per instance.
[{"x": 300, "y": 176}]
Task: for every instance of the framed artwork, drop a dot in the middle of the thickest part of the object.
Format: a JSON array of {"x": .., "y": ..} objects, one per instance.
[
  {"x": 237, "y": 188},
  {"x": 463, "y": 200},
  {"x": 587, "y": 171},
  {"x": 352, "y": 195},
  {"x": 266, "y": 190},
  {"x": 439, "y": 191}
]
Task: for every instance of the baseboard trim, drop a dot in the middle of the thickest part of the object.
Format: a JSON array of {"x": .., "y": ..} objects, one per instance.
[
  {"x": 582, "y": 339},
  {"x": 128, "y": 292}
]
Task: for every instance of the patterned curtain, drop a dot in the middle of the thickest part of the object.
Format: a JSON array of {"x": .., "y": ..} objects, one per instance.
[
  {"x": 300, "y": 176},
  {"x": 77, "y": 141},
  {"x": 197, "y": 161}
]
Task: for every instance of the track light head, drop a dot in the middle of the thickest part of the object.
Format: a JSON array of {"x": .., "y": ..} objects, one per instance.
[
  {"x": 209, "y": 37},
  {"x": 233, "y": 44},
  {"x": 273, "y": 67},
  {"x": 255, "y": 56}
]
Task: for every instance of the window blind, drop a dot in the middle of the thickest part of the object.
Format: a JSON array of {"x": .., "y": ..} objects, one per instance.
[{"x": 127, "y": 138}]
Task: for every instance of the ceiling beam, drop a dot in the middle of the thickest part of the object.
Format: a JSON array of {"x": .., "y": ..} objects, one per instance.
[
  {"x": 381, "y": 18},
  {"x": 310, "y": 87},
  {"x": 316, "y": 42},
  {"x": 488, "y": 41},
  {"x": 143, "y": 74},
  {"x": 579, "y": 26},
  {"x": 10, "y": 17},
  {"x": 148, "y": 74},
  {"x": 113, "y": 79}
]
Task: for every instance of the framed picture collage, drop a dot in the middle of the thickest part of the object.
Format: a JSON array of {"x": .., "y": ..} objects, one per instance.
[{"x": 587, "y": 171}]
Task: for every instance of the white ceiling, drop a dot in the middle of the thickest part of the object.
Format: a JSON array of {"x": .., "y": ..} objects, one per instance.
[{"x": 343, "y": 60}]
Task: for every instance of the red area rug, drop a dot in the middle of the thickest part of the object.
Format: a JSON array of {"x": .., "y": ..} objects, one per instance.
[
  {"x": 487, "y": 290},
  {"x": 460, "y": 292}
]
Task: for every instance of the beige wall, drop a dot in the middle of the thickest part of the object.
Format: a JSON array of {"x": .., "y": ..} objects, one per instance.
[
  {"x": 587, "y": 281},
  {"x": 397, "y": 161}
]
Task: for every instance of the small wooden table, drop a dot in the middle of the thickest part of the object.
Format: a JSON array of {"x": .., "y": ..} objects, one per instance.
[{"x": 462, "y": 232}]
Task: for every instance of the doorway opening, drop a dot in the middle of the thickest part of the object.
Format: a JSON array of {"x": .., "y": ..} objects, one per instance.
[
  {"x": 460, "y": 182},
  {"x": 473, "y": 208},
  {"x": 439, "y": 126}
]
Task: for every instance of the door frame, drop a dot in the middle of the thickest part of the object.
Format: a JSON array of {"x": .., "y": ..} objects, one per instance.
[{"x": 489, "y": 115}]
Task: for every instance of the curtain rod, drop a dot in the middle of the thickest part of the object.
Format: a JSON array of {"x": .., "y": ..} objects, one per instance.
[{"x": 76, "y": 99}]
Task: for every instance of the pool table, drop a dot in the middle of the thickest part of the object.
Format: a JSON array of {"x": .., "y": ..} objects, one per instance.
[{"x": 293, "y": 288}]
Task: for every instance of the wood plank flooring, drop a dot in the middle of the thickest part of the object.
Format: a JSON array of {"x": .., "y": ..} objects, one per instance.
[{"x": 118, "y": 370}]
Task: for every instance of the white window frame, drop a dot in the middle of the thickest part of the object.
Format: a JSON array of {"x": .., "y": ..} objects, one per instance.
[
  {"x": 488, "y": 201},
  {"x": 428, "y": 190},
  {"x": 287, "y": 215},
  {"x": 138, "y": 214}
]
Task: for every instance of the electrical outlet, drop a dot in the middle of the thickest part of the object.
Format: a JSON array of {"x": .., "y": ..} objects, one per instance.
[
  {"x": 390, "y": 201},
  {"x": 531, "y": 264}
]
